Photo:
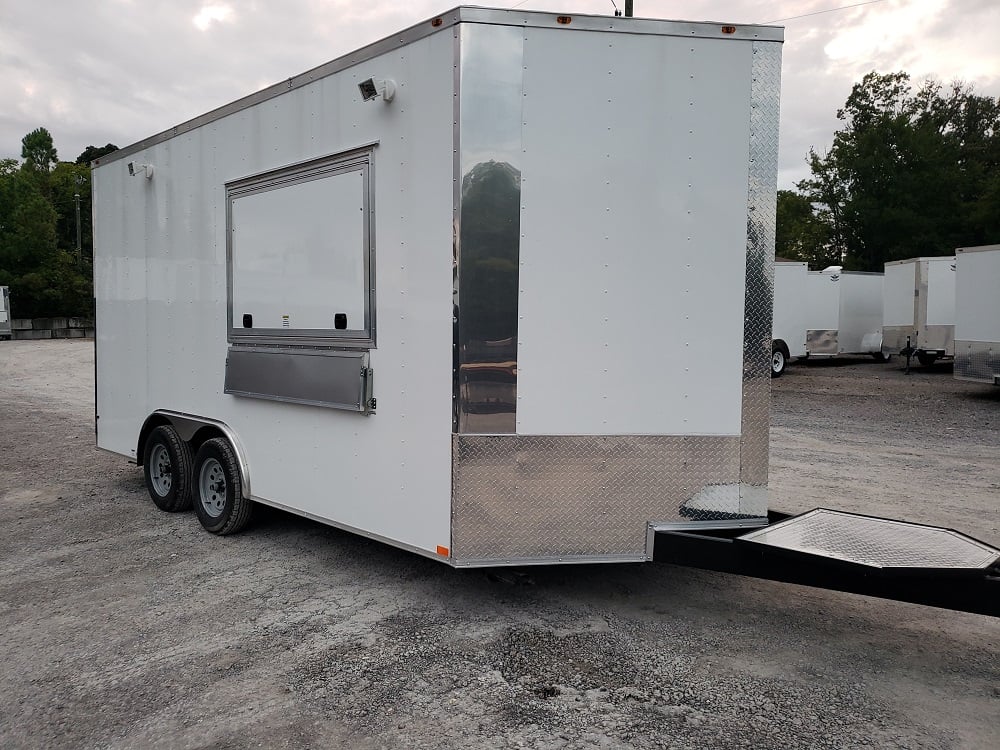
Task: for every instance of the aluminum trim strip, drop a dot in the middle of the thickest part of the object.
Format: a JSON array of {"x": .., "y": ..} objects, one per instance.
[
  {"x": 423, "y": 29},
  {"x": 749, "y": 523},
  {"x": 566, "y": 560}
]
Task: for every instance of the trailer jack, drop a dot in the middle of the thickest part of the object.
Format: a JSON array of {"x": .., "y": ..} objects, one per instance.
[{"x": 852, "y": 553}]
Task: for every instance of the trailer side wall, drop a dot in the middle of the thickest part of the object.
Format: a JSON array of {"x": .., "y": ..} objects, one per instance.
[{"x": 161, "y": 286}]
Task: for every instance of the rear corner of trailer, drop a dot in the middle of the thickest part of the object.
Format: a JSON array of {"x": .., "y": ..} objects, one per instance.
[{"x": 643, "y": 310}]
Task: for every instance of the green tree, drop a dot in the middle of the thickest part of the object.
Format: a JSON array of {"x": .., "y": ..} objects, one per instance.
[
  {"x": 802, "y": 234},
  {"x": 909, "y": 173},
  {"x": 37, "y": 150},
  {"x": 38, "y": 232},
  {"x": 95, "y": 152}
]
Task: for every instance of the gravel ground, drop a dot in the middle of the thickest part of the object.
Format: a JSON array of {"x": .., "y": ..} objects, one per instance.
[{"x": 125, "y": 627}]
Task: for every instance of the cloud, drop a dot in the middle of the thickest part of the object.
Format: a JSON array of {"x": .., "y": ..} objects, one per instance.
[
  {"x": 210, "y": 14},
  {"x": 119, "y": 71}
]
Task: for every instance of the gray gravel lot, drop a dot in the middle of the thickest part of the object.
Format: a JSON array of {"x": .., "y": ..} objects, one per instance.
[{"x": 126, "y": 627}]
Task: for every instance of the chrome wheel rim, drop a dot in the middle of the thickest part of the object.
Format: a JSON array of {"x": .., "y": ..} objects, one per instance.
[
  {"x": 777, "y": 361},
  {"x": 161, "y": 472},
  {"x": 212, "y": 487}
]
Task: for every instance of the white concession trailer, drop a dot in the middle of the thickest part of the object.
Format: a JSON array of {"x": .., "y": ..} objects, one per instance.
[
  {"x": 496, "y": 290},
  {"x": 843, "y": 313},
  {"x": 977, "y": 314},
  {"x": 918, "y": 316},
  {"x": 791, "y": 299}
]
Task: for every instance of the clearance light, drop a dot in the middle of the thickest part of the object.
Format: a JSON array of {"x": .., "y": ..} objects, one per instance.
[
  {"x": 436, "y": 22},
  {"x": 564, "y": 20},
  {"x": 728, "y": 29},
  {"x": 443, "y": 551}
]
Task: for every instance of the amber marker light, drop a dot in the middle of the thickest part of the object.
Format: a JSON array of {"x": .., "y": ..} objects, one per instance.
[
  {"x": 443, "y": 551},
  {"x": 728, "y": 29},
  {"x": 564, "y": 20},
  {"x": 436, "y": 22}
]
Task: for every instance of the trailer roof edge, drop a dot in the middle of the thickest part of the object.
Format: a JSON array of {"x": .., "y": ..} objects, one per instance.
[{"x": 446, "y": 20}]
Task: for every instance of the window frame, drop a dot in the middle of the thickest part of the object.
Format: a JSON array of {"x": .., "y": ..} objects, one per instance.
[{"x": 359, "y": 159}]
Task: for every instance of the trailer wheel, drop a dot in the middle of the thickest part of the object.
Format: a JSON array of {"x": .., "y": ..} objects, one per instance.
[
  {"x": 218, "y": 491},
  {"x": 166, "y": 466},
  {"x": 926, "y": 359},
  {"x": 779, "y": 360},
  {"x": 881, "y": 356}
]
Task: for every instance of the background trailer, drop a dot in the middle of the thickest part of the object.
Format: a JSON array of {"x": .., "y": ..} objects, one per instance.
[
  {"x": 977, "y": 314},
  {"x": 791, "y": 297},
  {"x": 496, "y": 289},
  {"x": 5, "y": 321},
  {"x": 843, "y": 313},
  {"x": 919, "y": 308}
]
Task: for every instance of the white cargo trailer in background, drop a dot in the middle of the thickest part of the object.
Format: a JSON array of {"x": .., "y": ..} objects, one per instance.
[
  {"x": 5, "y": 321},
  {"x": 977, "y": 314},
  {"x": 544, "y": 245},
  {"x": 843, "y": 313},
  {"x": 788, "y": 333},
  {"x": 919, "y": 310}
]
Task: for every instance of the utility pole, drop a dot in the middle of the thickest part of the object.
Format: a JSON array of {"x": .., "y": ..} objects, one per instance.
[{"x": 79, "y": 236}]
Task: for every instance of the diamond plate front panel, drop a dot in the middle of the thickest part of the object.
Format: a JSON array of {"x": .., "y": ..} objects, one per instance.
[
  {"x": 978, "y": 361},
  {"x": 532, "y": 498},
  {"x": 875, "y": 542},
  {"x": 761, "y": 223}
]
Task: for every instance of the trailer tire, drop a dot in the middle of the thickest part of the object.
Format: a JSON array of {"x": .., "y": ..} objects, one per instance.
[
  {"x": 925, "y": 359},
  {"x": 881, "y": 356},
  {"x": 218, "y": 489},
  {"x": 779, "y": 359},
  {"x": 166, "y": 467}
]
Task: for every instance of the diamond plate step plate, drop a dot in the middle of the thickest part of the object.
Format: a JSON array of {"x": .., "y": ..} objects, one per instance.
[{"x": 878, "y": 543}]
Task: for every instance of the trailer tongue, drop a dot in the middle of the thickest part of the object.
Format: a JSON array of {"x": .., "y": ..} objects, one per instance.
[{"x": 850, "y": 552}]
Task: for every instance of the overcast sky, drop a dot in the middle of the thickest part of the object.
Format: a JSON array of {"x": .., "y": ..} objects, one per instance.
[{"x": 120, "y": 70}]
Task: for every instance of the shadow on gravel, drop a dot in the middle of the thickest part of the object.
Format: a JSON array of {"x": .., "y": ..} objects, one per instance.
[
  {"x": 606, "y": 583},
  {"x": 988, "y": 394},
  {"x": 834, "y": 362}
]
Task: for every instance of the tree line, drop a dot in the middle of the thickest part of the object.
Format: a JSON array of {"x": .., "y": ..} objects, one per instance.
[
  {"x": 911, "y": 172},
  {"x": 45, "y": 258}
]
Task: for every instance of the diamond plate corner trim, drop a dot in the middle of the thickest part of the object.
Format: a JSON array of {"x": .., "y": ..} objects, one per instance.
[
  {"x": 761, "y": 207},
  {"x": 566, "y": 497}
]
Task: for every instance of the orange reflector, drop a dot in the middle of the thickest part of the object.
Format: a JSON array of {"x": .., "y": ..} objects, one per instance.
[
  {"x": 728, "y": 29},
  {"x": 564, "y": 20},
  {"x": 436, "y": 22},
  {"x": 443, "y": 551}
]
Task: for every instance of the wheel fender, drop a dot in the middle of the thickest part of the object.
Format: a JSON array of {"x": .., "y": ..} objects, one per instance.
[{"x": 187, "y": 425}]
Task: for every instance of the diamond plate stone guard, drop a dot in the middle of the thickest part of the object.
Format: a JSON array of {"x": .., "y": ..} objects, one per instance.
[{"x": 530, "y": 497}]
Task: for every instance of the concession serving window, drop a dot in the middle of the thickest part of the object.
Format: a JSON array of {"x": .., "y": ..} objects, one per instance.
[{"x": 300, "y": 254}]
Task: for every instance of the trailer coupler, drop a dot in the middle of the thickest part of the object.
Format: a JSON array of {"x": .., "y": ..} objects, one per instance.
[{"x": 853, "y": 553}]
